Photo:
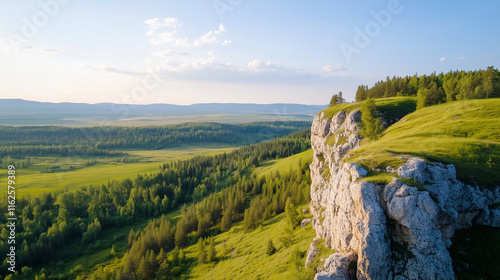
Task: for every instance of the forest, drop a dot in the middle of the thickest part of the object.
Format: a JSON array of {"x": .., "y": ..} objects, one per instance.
[
  {"x": 22, "y": 141},
  {"x": 212, "y": 191},
  {"x": 437, "y": 88}
]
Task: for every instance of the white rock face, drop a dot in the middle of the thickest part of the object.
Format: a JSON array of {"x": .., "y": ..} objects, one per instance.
[{"x": 394, "y": 230}]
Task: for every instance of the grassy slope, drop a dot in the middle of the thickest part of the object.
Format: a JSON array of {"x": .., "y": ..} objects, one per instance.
[
  {"x": 464, "y": 133},
  {"x": 243, "y": 255},
  {"x": 392, "y": 108},
  {"x": 247, "y": 261},
  {"x": 32, "y": 181},
  {"x": 283, "y": 165}
]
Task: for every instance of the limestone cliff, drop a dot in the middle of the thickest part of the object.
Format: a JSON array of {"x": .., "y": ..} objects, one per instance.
[{"x": 392, "y": 231}]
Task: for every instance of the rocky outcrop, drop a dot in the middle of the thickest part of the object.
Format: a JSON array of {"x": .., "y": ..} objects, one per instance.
[{"x": 392, "y": 231}]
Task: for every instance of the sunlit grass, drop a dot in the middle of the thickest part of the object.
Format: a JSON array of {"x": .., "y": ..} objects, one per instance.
[
  {"x": 392, "y": 108},
  {"x": 284, "y": 165},
  {"x": 464, "y": 133},
  {"x": 242, "y": 255},
  {"x": 34, "y": 180}
]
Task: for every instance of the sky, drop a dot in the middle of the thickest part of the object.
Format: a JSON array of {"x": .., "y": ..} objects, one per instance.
[{"x": 233, "y": 51}]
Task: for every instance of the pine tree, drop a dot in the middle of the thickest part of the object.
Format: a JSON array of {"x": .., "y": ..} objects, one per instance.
[
  {"x": 291, "y": 214},
  {"x": 211, "y": 250},
  {"x": 202, "y": 255},
  {"x": 372, "y": 127},
  {"x": 226, "y": 221},
  {"x": 340, "y": 98},
  {"x": 333, "y": 100},
  {"x": 204, "y": 223},
  {"x": 145, "y": 269},
  {"x": 248, "y": 220},
  {"x": 270, "y": 248},
  {"x": 180, "y": 234}
]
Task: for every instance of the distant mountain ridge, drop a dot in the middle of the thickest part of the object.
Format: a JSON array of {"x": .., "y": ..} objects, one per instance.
[{"x": 23, "y": 112}]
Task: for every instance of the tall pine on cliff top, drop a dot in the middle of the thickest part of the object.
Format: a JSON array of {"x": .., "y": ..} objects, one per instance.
[{"x": 372, "y": 127}]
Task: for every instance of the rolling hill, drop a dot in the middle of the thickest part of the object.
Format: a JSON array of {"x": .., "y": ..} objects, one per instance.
[{"x": 23, "y": 112}]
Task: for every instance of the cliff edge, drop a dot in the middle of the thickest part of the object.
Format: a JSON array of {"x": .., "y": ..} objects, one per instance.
[{"x": 396, "y": 230}]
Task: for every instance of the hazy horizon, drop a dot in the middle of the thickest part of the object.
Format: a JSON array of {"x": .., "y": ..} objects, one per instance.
[
  {"x": 248, "y": 103},
  {"x": 233, "y": 51}
]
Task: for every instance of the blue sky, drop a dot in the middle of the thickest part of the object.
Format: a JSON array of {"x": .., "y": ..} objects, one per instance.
[{"x": 201, "y": 51}]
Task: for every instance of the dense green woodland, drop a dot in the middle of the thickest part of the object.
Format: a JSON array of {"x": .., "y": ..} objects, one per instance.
[
  {"x": 21, "y": 141},
  {"x": 437, "y": 88},
  {"x": 220, "y": 186}
]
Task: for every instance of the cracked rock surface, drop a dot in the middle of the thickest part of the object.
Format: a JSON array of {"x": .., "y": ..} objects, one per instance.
[{"x": 392, "y": 231}]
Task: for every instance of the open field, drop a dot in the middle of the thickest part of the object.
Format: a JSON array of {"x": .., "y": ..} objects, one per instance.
[
  {"x": 81, "y": 115},
  {"x": 220, "y": 118},
  {"x": 33, "y": 180},
  {"x": 284, "y": 165},
  {"x": 153, "y": 120},
  {"x": 464, "y": 133}
]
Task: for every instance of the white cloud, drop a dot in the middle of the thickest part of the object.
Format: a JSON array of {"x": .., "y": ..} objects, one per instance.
[
  {"x": 164, "y": 31},
  {"x": 208, "y": 68},
  {"x": 258, "y": 65},
  {"x": 156, "y": 23},
  {"x": 24, "y": 48},
  {"x": 211, "y": 37},
  {"x": 330, "y": 68},
  {"x": 462, "y": 58},
  {"x": 196, "y": 64},
  {"x": 110, "y": 70},
  {"x": 170, "y": 53},
  {"x": 442, "y": 59},
  {"x": 168, "y": 37}
]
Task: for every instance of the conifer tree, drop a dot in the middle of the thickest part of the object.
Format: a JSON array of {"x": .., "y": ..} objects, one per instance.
[
  {"x": 270, "y": 248},
  {"x": 226, "y": 220},
  {"x": 333, "y": 100},
  {"x": 211, "y": 250},
  {"x": 202, "y": 255},
  {"x": 372, "y": 127},
  {"x": 180, "y": 234},
  {"x": 291, "y": 214}
]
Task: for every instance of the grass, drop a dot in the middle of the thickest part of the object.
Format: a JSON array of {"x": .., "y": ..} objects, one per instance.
[
  {"x": 330, "y": 140},
  {"x": 464, "y": 133},
  {"x": 33, "y": 180},
  {"x": 380, "y": 179},
  {"x": 284, "y": 165},
  {"x": 392, "y": 108},
  {"x": 242, "y": 255},
  {"x": 384, "y": 178}
]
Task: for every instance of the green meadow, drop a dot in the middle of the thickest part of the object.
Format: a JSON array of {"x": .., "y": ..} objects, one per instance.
[
  {"x": 464, "y": 133},
  {"x": 34, "y": 180},
  {"x": 283, "y": 166}
]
